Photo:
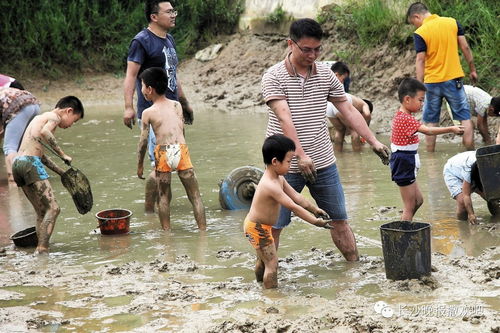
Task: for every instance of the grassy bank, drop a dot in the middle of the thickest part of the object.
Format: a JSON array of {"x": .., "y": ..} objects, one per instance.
[
  {"x": 376, "y": 22},
  {"x": 56, "y": 37}
]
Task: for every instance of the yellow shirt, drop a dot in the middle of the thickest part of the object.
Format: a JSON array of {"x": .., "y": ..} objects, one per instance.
[{"x": 442, "y": 61}]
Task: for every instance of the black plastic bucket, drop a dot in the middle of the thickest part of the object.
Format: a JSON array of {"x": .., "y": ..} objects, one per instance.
[
  {"x": 25, "y": 238},
  {"x": 488, "y": 164},
  {"x": 407, "y": 249}
]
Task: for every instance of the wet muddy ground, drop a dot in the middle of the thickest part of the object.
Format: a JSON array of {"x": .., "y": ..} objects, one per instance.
[{"x": 190, "y": 281}]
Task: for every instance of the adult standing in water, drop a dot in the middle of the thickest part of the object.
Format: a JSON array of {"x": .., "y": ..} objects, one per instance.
[
  {"x": 296, "y": 91},
  {"x": 438, "y": 66},
  {"x": 153, "y": 47}
]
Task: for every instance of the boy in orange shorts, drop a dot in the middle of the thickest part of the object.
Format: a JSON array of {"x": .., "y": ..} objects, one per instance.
[
  {"x": 171, "y": 152},
  {"x": 272, "y": 192}
]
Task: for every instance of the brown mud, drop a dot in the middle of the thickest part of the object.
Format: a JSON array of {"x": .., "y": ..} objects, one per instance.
[
  {"x": 168, "y": 287},
  {"x": 177, "y": 296}
]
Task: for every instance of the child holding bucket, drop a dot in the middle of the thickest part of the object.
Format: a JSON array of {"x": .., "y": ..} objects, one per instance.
[
  {"x": 27, "y": 168},
  {"x": 272, "y": 192},
  {"x": 404, "y": 160},
  {"x": 171, "y": 152}
]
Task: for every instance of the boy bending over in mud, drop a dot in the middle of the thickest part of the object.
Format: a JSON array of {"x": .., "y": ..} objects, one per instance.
[
  {"x": 461, "y": 177},
  {"x": 28, "y": 171},
  {"x": 171, "y": 152},
  {"x": 404, "y": 160},
  {"x": 273, "y": 190}
]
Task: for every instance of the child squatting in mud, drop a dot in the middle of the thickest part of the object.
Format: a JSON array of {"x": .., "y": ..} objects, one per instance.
[
  {"x": 404, "y": 160},
  {"x": 171, "y": 152},
  {"x": 272, "y": 191},
  {"x": 28, "y": 171}
]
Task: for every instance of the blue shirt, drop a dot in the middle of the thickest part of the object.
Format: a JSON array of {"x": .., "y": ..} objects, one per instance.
[{"x": 149, "y": 50}]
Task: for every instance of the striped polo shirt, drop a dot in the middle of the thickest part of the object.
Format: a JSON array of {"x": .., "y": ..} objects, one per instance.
[{"x": 306, "y": 98}]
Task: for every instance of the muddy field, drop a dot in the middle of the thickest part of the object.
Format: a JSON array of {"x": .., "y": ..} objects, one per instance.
[
  {"x": 158, "y": 289},
  {"x": 180, "y": 294}
]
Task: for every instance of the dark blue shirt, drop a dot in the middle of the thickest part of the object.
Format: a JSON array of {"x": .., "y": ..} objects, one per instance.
[{"x": 149, "y": 50}]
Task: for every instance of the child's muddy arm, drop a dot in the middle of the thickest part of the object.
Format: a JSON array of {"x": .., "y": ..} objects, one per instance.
[
  {"x": 303, "y": 208},
  {"x": 48, "y": 136},
  {"x": 51, "y": 165},
  {"x": 440, "y": 130},
  {"x": 466, "y": 191},
  {"x": 141, "y": 148}
]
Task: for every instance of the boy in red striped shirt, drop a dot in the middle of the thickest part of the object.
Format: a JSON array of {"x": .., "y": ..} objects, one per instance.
[{"x": 404, "y": 160}]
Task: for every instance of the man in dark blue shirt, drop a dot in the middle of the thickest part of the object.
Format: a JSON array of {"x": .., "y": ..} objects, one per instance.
[{"x": 153, "y": 47}]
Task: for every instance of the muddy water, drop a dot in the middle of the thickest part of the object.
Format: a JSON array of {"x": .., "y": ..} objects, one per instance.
[{"x": 114, "y": 283}]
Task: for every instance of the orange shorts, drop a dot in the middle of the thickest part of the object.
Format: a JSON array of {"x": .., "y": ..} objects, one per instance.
[
  {"x": 173, "y": 157},
  {"x": 258, "y": 234}
]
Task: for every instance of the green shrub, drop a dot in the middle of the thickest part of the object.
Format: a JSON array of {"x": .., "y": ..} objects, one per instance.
[
  {"x": 278, "y": 16},
  {"x": 199, "y": 21},
  {"x": 479, "y": 19},
  {"x": 375, "y": 22},
  {"x": 56, "y": 36}
]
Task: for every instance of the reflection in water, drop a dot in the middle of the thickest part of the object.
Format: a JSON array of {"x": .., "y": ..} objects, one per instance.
[{"x": 219, "y": 142}]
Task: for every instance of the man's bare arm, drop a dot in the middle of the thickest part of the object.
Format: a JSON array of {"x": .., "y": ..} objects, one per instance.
[
  {"x": 420, "y": 66},
  {"x": 187, "y": 111},
  {"x": 282, "y": 111},
  {"x": 128, "y": 93},
  {"x": 464, "y": 46}
]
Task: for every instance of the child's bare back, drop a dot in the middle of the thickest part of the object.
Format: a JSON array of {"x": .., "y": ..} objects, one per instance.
[{"x": 165, "y": 116}]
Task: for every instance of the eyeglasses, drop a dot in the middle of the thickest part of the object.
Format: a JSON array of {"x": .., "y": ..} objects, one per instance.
[
  {"x": 307, "y": 50},
  {"x": 169, "y": 12}
]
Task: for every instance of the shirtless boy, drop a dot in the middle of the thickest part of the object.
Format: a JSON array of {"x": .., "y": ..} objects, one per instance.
[
  {"x": 29, "y": 172},
  {"x": 272, "y": 192},
  {"x": 171, "y": 152}
]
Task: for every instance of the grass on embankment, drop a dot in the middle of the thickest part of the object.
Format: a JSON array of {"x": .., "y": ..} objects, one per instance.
[{"x": 376, "y": 22}]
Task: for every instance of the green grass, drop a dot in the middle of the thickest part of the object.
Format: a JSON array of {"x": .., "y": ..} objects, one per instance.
[
  {"x": 375, "y": 22},
  {"x": 56, "y": 37}
]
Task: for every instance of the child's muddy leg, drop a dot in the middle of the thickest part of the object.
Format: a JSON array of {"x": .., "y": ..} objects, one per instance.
[
  {"x": 188, "y": 179},
  {"x": 163, "y": 180},
  {"x": 150, "y": 193},
  {"x": 259, "y": 270},
  {"x": 268, "y": 255},
  {"x": 41, "y": 196}
]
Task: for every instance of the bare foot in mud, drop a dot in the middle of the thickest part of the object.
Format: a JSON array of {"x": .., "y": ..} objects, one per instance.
[{"x": 41, "y": 251}]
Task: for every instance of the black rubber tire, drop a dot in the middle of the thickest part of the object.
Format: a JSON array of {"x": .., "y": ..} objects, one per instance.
[
  {"x": 494, "y": 206},
  {"x": 237, "y": 189}
]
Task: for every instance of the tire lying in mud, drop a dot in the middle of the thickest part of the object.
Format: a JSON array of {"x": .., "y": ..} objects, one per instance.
[
  {"x": 237, "y": 189},
  {"x": 494, "y": 206}
]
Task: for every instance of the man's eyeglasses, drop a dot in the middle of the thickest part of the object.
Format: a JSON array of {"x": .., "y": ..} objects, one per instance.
[
  {"x": 169, "y": 12},
  {"x": 307, "y": 50}
]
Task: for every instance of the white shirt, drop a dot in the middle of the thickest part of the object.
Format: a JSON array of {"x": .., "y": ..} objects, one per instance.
[
  {"x": 478, "y": 99},
  {"x": 331, "y": 110}
]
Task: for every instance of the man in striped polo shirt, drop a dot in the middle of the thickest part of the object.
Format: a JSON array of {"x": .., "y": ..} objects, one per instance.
[{"x": 296, "y": 91}]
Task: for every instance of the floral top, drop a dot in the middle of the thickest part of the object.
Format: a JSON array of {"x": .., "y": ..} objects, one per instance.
[{"x": 12, "y": 100}]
